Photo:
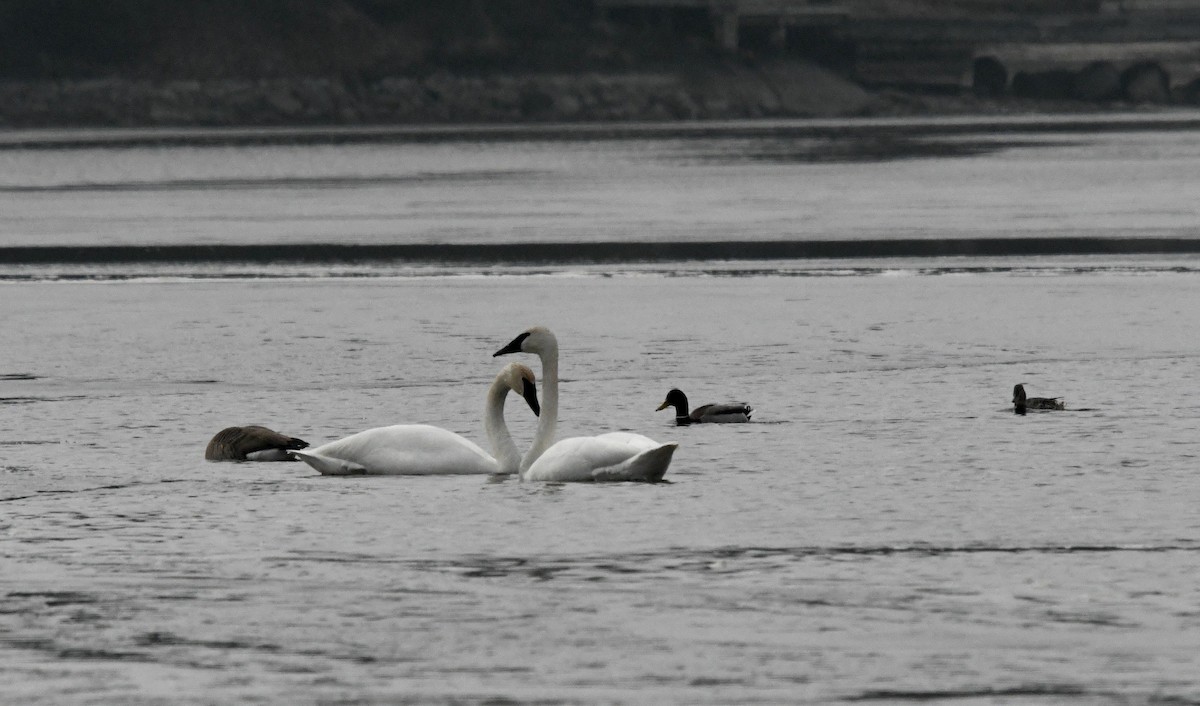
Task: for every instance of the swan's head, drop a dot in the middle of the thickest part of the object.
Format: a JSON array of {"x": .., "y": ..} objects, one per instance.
[
  {"x": 537, "y": 340},
  {"x": 1018, "y": 394},
  {"x": 676, "y": 399},
  {"x": 520, "y": 380}
]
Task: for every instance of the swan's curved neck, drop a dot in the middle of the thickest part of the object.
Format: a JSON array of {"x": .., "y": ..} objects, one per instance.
[
  {"x": 503, "y": 446},
  {"x": 548, "y": 421}
]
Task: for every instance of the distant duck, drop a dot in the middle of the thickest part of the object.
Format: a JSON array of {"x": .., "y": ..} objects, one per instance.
[
  {"x": 732, "y": 413},
  {"x": 1022, "y": 403},
  {"x": 252, "y": 443}
]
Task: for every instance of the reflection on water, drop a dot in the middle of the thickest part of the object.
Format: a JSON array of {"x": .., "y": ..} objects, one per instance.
[
  {"x": 797, "y": 181},
  {"x": 101, "y": 269}
]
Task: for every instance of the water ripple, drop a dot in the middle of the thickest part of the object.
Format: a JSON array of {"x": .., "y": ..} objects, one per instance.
[
  {"x": 1024, "y": 691},
  {"x": 726, "y": 560}
]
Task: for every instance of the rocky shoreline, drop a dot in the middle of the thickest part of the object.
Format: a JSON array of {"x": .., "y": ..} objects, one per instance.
[{"x": 731, "y": 91}]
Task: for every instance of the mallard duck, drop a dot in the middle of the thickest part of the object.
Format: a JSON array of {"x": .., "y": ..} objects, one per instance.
[
  {"x": 252, "y": 443},
  {"x": 1021, "y": 402},
  {"x": 733, "y": 412}
]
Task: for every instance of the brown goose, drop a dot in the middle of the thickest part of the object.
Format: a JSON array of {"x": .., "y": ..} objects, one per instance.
[{"x": 252, "y": 443}]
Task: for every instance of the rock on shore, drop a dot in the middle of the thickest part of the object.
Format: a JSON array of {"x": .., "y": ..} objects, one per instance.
[{"x": 784, "y": 89}]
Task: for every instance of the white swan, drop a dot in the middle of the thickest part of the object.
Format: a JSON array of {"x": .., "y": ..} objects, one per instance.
[
  {"x": 617, "y": 456},
  {"x": 420, "y": 449}
]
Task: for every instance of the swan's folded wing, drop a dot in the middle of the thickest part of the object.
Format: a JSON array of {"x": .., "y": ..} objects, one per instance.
[
  {"x": 328, "y": 466},
  {"x": 409, "y": 449},
  {"x": 637, "y": 441},
  {"x": 607, "y": 457},
  {"x": 649, "y": 466},
  {"x": 577, "y": 458}
]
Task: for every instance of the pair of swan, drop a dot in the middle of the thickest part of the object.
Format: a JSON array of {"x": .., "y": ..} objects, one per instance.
[
  {"x": 418, "y": 449},
  {"x": 1021, "y": 403},
  {"x": 616, "y": 456},
  {"x": 734, "y": 412}
]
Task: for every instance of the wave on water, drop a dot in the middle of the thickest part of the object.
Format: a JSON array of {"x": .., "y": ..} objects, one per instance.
[
  {"x": 58, "y": 492},
  {"x": 918, "y": 126},
  {"x": 111, "y": 274},
  {"x": 724, "y": 560},
  {"x": 809, "y": 258},
  {"x": 550, "y": 253},
  {"x": 322, "y": 182},
  {"x": 1026, "y": 691}
]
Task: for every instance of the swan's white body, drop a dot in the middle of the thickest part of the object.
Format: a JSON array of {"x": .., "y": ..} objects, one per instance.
[
  {"x": 607, "y": 457},
  {"x": 616, "y": 456},
  {"x": 402, "y": 449},
  {"x": 421, "y": 449}
]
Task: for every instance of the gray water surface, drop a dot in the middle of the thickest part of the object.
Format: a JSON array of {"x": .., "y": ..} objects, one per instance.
[
  {"x": 885, "y": 530},
  {"x": 680, "y": 183}
]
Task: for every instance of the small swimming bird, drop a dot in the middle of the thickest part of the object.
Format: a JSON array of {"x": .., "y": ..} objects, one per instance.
[
  {"x": 252, "y": 443},
  {"x": 1021, "y": 402},
  {"x": 733, "y": 412}
]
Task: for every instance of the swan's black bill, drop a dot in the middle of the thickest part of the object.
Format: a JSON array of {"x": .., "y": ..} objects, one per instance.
[
  {"x": 514, "y": 346},
  {"x": 529, "y": 392}
]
